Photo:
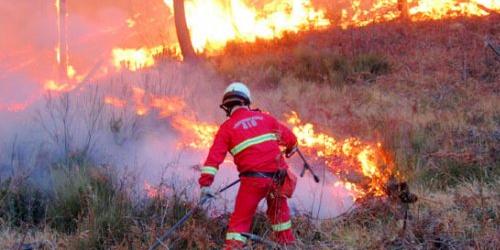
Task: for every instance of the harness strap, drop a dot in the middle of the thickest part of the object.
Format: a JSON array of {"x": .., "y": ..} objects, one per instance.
[{"x": 258, "y": 174}]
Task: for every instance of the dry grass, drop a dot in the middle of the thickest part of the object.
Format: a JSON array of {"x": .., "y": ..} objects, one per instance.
[
  {"x": 427, "y": 91},
  {"x": 465, "y": 217},
  {"x": 37, "y": 238}
]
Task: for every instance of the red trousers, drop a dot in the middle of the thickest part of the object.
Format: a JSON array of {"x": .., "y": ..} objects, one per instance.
[{"x": 252, "y": 191}]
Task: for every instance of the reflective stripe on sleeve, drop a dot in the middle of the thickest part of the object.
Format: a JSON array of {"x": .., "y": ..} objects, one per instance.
[
  {"x": 282, "y": 226},
  {"x": 253, "y": 141},
  {"x": 209, "y": 170},
  {"x": 236, "y": 236}
]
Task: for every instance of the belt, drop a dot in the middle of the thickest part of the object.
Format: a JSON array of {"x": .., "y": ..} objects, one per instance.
[{"x": 259, "y": 174}]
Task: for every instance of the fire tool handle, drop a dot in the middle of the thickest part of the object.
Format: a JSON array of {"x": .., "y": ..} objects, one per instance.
[
  {"x": 303, "y": 170},
  {"x": 179, "y": 223},
  {"x": 228, "y": 186},
  {"x": 307, "y": 167}
]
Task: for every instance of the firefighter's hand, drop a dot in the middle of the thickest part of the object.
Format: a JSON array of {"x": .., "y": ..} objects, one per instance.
[{"x": 206, "y": 192}]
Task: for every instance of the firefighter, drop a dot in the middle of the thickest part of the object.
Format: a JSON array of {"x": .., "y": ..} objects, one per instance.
[{"x": 253, "y": 138}]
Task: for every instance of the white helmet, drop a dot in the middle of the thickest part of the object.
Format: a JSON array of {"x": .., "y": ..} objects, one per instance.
[
  {"x": 237, "y": 91},
  {"x": 236, "y": 94}
]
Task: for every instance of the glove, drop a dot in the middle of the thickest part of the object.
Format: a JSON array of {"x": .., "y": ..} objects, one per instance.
[
  {"x": 206, "y": 180},
  {"x": 290, "y": 151},
  {"x": 205, "y": 191}
]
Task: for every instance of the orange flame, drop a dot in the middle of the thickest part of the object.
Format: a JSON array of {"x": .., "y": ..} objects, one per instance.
[
  {"x": 52, "y": 85},
  {"x": 431, "y": 9},
  {"x": 69, "y": 84},
  {"x": 237, "y": 21},
  {"x": 115, "y": 102},
  {"x": 134, "y": 59},
  {"x": 417, "y": 10},
  {"x": 197, "y": 135},
  {"x": 138, "y": 97},
  {"x": 167, "y": 106},
  {"x": 363, "y": 167}
]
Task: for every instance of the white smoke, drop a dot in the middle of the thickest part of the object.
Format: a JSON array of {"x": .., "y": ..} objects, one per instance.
[
  {"x": 79, "y": 121},
  {"x": 56, "y": 125}
]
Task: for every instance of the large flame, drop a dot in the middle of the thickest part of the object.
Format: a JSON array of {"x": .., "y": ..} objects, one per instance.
[
  {"x": 134, "y": 59},
  {"x": 238, "y": 20},
  {"x": 244, "y": 21},
  {"x": 213, "y": 23},
  {"x": 363, "y": 167},
  {"x": 361, "y": 13},
  {"x": 198, "y": 135},
  {"x": 432, "y": 9}
]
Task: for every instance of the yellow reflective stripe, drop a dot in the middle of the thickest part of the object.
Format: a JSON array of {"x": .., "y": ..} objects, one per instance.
[
  {"x": 236, "y": 236},
  {"x": 282, "y": 226},
  {"x": 252, "y": 141},
  {"x": 209, "y": 170}
]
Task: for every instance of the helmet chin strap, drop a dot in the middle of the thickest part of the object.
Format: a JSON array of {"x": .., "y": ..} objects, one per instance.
[
  {"x": 226, "y": 109},
  {"x": 229, "y": 110}
]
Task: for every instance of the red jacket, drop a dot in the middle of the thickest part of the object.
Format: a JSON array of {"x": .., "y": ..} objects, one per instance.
[{"x": 254, "y": 139}]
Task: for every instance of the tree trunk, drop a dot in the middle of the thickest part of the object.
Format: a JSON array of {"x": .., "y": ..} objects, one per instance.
[
  {"x": 63, "y": 40},
  {"x": 403, "y": 7},
  {"x": 183, "y": 31}
]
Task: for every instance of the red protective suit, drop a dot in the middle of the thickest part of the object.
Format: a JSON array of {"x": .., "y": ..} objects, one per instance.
[{"x": 254, "y": 139}]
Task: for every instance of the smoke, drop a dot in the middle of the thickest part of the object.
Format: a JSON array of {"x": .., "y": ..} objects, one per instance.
[
  {"x": 79, "y": 122},
  {"x": 41, "y": 128},
  {"x": 30, "y": 34}
]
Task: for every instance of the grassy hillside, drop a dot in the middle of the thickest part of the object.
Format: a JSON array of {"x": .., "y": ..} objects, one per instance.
[{"x": 428, "y": 91}]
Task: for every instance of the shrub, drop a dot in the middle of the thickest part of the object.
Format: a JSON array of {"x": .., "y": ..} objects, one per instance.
[
  {"x": 23, "y": 204},
  {"x": 371, "y": 63},
  {"x": 70, "y": 198},
  {"x": 86, "y": 198},
  {"x": 307, "y": 66},
  {"x": 320, "y": 66}
]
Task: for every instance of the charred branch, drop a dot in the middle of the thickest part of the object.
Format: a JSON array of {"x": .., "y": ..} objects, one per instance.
[{"x": 183, "y": 31}]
